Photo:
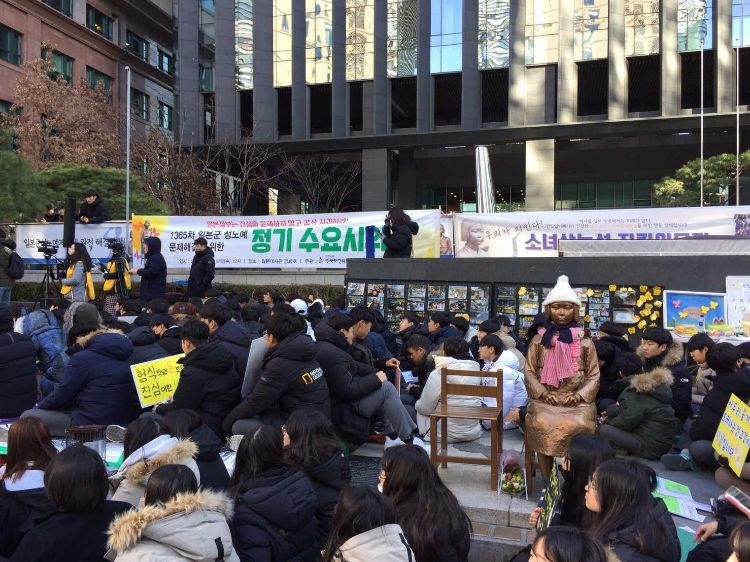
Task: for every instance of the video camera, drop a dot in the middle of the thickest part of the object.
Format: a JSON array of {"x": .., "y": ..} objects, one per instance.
[
  {"x": 116, "y": 246},
  {"x": 47, "y": 248}
]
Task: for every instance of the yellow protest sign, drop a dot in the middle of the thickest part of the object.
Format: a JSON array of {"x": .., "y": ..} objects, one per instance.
[
  {"x": 732, "y": 439},
  {"x": 155, "y": 381}
]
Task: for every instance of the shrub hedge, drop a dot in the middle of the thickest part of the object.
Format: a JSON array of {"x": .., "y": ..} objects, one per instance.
[{"x": 25, "y": 291}]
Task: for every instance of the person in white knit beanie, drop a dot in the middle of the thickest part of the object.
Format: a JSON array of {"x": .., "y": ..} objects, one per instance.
[{"x": 562, "y": 378}]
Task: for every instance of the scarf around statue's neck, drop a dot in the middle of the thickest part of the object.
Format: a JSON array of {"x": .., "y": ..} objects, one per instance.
[{"x": 563, "y": 345}]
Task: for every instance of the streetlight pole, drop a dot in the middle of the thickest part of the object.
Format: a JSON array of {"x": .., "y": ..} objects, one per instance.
[
  {"x": 703, "y": 39},
  {"x": 737, "y": 126},
  {"x": 127, "y": 161}
]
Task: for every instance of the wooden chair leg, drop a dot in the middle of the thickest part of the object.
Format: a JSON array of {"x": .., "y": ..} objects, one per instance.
[
  {"x": 494, "y": 454},
  {"x": 433, "y": 440},
  {"x": 444, "y": 440}
]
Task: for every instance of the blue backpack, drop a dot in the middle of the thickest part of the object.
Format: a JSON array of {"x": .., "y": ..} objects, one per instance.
[{"x": 15, "y": 269}]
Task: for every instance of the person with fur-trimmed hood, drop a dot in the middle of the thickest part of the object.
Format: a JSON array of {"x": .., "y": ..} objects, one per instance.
[
  {"x": 178, "y": 522},
  {"x": 657, "y": 349},
  {"x": 96, "y": 386},
  {"x": 145, "y": 450},
  {"x": 643, "y": 421}
]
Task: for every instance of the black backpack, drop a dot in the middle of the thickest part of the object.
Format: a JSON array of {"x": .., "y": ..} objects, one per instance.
[{"x": 15, "y": 267}]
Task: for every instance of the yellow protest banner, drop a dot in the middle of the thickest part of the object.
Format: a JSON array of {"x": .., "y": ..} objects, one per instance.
[
  {"x": 155, "y": 381},
  {"x": 732, "y": 439}
]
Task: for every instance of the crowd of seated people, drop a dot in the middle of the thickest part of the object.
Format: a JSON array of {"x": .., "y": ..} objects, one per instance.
[{"x": 325, "y": 383}]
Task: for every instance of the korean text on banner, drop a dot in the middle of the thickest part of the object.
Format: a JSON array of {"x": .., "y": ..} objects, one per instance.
[
  {"x": 732, "y": 439},
  {"x": 322, "y": 241},
  {"x": 155, "y": 381},
  {"x": 537, "y": 234}
]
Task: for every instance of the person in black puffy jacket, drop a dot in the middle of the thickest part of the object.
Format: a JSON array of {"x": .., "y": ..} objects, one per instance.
[
  {"x": 311, "y": 444},
  {"x": 208, "y": 384},
  {"x": 657, "y": 349},
  {"x": 223, "y": 328},
  {"x": 17, "y": 368},
  {"x": 275, "y": 504},
  {"x": 96, "y": 387},
  {"x": 398, "y": 231},
  {"x": 202, "y": 269},
  {"x": 154, "y": 271},
  {"x": 358, "y": 390},
  {"x": 291, "y": 380},
  {"x": 187, "y": 424}
]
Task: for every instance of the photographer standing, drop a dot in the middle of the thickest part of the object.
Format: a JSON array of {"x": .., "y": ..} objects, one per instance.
[
  {"x": 116, "y": 276},
  {"x": 7, "y": 246},
  {"x": 397, "y": 234},
  {"x": 202, "y": 270},
  {"x": 78, "y": 285}
]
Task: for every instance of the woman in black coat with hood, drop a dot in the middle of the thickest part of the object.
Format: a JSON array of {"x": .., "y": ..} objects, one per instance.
[
  {"x": 398, "y": 231},
  {"x": 153, "y": 274},
  {"x": 311, "y": 444},
  {"x": 275, "y": 504}
]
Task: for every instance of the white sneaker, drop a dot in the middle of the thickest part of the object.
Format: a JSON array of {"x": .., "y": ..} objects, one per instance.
[
  {"x": 393, "y": 442},
  {"x": 419, "y": 442}
]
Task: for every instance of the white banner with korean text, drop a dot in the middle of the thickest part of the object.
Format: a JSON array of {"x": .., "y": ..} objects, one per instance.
[
  {"x": 322, "y": 241},
  {"x": 537, "y": 234}
]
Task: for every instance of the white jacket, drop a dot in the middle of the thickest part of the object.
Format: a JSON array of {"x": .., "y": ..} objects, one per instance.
[
  {"x": 458, "y": 430},
  {"x": 384, "y": 544},
  {"x": 514, "y": 389}
]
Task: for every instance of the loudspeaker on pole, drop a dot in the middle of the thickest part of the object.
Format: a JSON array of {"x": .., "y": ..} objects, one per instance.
[{"x": 69, "y": 225}]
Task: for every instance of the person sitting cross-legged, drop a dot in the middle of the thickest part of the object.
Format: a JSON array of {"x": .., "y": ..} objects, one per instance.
[{"x": 291, "y": 379}]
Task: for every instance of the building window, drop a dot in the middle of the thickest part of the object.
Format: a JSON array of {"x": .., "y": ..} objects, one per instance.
[
  {"x": 96, "y": 79},
  {"x": 98, "y": 22},
  {"x": 207, "y": 23},
  {"x": 62, "y": 65},
  {"x": 695, "y": 22},
  {"x": 360, "y": 39},
  {"x": 165, "y": 115},
  {"x": 321, "y": 112},
  {"x": 64, "y": 6},
  {"x": 243, "y": 43},
  {"x": 495, "y": 96},
  {"x": 282, "y": 43},
  {"x": 209, "y": 117},
  {"x": 10, "y": 45},
  {"x": 166, "y": 62},
  {"x": 319, "y": 41},
  {"x": 641, "y": 27},
  {"x": 137, "y": 45},
  {"x": 591, "y": 28},
  {"x": 401, "y": 55},
  {"x": 206, "y": 78},
  {"x": 494, "y": 34},
  {"x": 740, "y": 23},
  {"x": 139, "y": 103},
  {"x": 446, "y": 36},
  {"x": 542, "y": 27}
]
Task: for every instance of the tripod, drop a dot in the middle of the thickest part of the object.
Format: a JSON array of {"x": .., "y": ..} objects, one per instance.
[
  {"x": 49, "y": 276},
  {"x": 115, "y": 270}
]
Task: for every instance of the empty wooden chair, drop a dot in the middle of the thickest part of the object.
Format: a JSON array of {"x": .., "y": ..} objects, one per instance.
[{"x": 439, "y": 451}]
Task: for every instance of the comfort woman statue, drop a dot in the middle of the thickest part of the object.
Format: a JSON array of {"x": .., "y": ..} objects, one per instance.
[{"x": 562, "y": 378}]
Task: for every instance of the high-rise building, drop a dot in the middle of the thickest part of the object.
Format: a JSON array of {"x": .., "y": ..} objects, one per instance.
[
  {"x": 582, "y": 103},
  {"x": 94, "y": 40}
]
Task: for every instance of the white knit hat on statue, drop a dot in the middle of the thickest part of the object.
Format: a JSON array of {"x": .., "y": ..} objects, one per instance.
[{"x": 562, "y": 292}]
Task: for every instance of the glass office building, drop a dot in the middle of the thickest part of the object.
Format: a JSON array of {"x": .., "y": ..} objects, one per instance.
[{"x": 582, "y": 103}]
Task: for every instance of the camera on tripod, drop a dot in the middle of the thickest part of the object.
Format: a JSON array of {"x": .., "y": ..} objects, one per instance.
[
  {"x": 117, "y": 247},
  {"x": 47, "y": 248}
]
